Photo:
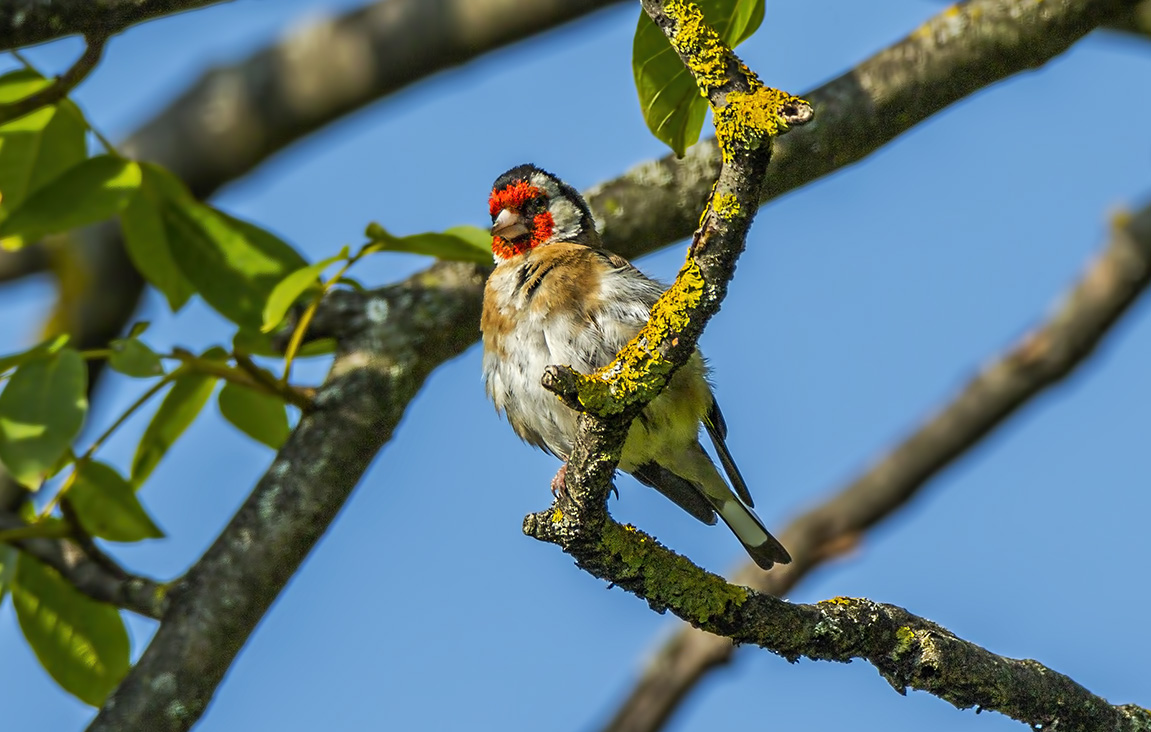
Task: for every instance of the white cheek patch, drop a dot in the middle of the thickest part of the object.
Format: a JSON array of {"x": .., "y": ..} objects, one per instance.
[{"x": 566, "y": 218}]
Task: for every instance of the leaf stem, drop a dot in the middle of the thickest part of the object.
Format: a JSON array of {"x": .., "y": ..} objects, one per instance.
[
  {"x": 141, "y": 401},
  {"x": 306, "y": 318}
]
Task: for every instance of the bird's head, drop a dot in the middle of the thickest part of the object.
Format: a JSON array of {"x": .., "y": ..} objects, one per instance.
[{"x": 531, "y": 207}]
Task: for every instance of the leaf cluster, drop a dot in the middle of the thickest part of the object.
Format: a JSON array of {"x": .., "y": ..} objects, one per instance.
[{"x": 49, "y": 186}]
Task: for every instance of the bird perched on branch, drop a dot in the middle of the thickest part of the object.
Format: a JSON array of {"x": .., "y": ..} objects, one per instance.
[{"x": 557, "y": 297}]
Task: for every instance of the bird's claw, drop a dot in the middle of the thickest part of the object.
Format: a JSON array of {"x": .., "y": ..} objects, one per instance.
[{"x": 559, "y": 483}]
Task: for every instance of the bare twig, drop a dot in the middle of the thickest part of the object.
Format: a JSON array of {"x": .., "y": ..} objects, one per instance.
[
  {"x": 1107, "y": 290},
  {"x": 93, "y": 574},
  {"x": 63, "y": 84}
]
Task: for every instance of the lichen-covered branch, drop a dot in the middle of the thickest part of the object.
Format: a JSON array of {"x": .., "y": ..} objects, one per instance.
[
  {"x": 748, "y": 117},
  {"x": 26, "y": 22},
  {"x": 212, "y": 611},
  {"x": 92, "y": 573},
  {"x": 1108, "y": 288},
  {"x": 61, "y": 86},
  {"x": 908, "y": 651}
]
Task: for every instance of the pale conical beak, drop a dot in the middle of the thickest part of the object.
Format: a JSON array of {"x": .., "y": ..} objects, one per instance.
[{"x": 509, "y": 225}]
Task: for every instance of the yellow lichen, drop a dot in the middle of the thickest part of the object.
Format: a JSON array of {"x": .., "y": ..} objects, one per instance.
[
  {"x": 557, "y": 516},
  {"x": 904, "y": 638},
  {"x": 704, "y": 54},
  {"x": 639, "y": 371},
  {"x": 837, "y": 601},
  {"x": 751, "y": 118},
  {"x": 726, "y": 205},
  {"x": 668, "y": 578}
]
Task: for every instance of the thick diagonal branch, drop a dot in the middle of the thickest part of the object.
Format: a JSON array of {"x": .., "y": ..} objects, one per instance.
[
  {"x": 1111, "y": 284},
  {"x": 377, "y": 371}
]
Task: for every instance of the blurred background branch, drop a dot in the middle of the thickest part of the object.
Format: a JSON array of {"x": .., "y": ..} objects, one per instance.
[{"x": 27, "y": 22}]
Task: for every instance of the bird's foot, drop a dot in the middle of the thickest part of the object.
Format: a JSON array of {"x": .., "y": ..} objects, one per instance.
[{"x": 559, "y": 483}]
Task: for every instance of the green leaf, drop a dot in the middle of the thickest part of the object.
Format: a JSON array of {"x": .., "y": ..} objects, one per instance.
[
  {"x": 458, "y": 244},
  {"x": 234, "y": 265},
  {"x": 132, "y": 358},
  {"x": 146, "y": 239},
  {"x": 49, "y": 346},
  {"x": 39, "y": 146},
  {"x": 106, "y": 505},
  {"x": 41, "y": 412},
  {"x": 479, "y": 238},
  {"x": 94, "y": 190},
  {"x": 81, "y": 643},
  {"x": 179, "y": 409},
  {"x": 262, "y": 417},
  {"x": 292, "y": 287},
  {"x": 668, "y": 96}
]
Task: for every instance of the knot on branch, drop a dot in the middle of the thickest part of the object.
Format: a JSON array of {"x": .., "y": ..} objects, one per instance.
[
  {"x": 640, "y": 371},
  {"x": 748, "y": 119}
]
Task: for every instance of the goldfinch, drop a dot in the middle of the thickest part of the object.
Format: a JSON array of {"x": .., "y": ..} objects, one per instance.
[{"x": 557, "y": 297}]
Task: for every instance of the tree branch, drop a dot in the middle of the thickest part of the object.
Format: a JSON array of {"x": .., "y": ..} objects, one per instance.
[
  {"x": 26, "y": 22},
  {"x": 1137, "y": 20},
  {"x": 63, "y": 84},
  {"x": 377, "y": 371},
  {"x": 908, "y": 651},
  {"x": 92, "y": 573},
  {"x": 325, "y": 71},
  {"x": 1044, "y": 357}
]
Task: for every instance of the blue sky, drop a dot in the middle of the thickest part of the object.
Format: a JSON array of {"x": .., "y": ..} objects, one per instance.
[{"x": 424, "y": 607}]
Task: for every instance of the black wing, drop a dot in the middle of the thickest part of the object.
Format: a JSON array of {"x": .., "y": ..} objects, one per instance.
[
  {"x": 681, "y": 491},
  {"x": 717, "y": 429}
]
